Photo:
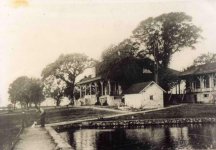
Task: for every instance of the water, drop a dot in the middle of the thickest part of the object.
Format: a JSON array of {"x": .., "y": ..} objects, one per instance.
[{"x": 184, "y": 137}]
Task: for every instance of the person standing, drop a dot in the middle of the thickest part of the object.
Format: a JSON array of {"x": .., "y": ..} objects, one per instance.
[
  {"x": 42, "y": 117},
  {"x": 24, "y": 124}
]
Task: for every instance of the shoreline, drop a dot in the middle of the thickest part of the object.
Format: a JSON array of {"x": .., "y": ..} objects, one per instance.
[{"x": 133, "y": 123}]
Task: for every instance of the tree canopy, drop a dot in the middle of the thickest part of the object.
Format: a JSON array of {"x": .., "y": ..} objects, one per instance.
[
  {"x": 205, "y": 59},
  {"x": 59, "y": 76},
  {"x": 123, "y": 64},
  {"x": 151, "y": 46},
  {"x": 162, "y": 36},
  {"x": 26, "y": 91}
]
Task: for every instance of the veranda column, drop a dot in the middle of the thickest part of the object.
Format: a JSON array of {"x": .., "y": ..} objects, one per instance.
[
  {"x": 201, "y": 82},
  {"x": 109, "y": 86},
  {"x": 85, "y": 90},
  {"x": 179, "y": 86},
  {"x": 106, "y": 88},
  {"x": 95, "y": 84},
  {"x": 192, "y": 84},
  {"x": 210, "y": 81},
  {"x": 213, "y": 81},
  {"x": 90, "y": 88},
  {"x": 115, "y": 88},
  {"x": 80, "y": 91},
  {"x": 101, "y": 82}
]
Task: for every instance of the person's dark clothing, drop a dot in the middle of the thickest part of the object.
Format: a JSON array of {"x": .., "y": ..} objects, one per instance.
[
  {"x": 24, "y": 124},
  {"x": 42, "y": 117}
]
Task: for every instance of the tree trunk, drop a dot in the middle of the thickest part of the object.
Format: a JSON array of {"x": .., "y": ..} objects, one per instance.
[
  {"x": 27, "y": 104},
  {"x": 156, "y": 72},
  {"x": 14, "y": 106},
  {"x": 58, "y": 101},
  {"x": 72, "y": 101}
]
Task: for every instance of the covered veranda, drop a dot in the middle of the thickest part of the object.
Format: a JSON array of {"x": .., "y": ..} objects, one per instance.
[{"x": 97, "y": 89}]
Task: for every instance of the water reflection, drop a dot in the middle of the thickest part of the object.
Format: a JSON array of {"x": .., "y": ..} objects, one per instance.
[{"x": 186, "y": 137}]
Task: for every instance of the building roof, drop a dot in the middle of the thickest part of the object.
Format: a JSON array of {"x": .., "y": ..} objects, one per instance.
[
  {"x": 174, "y": 72},
  {"x": 139, "y": 87},
  {"x": 88, "y": 80},
  {"x": 201, "y": 69}
]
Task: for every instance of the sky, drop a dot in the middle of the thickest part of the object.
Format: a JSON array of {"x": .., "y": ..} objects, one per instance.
[{"x": 33, "y": 33}]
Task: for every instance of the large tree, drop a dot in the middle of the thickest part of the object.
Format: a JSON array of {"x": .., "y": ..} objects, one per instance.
[
  {"x": 59, "y": 77},
  {"x": 123, "y": 64},
  {"x": 26, "y": 91},
  {"x": 54, "y": 87},
  {"x": 36, "y": 91},
  {"x": 160, "y": 37}
]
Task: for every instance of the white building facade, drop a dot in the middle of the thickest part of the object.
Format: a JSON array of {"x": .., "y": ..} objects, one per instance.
[
  {"x": 94, "y": 89},
  {"x": 201, "y": 83},
  {"x": 145, "y": 95}
]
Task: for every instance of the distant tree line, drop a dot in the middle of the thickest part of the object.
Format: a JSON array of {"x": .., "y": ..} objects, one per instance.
[{"x": 26, "y": 91}]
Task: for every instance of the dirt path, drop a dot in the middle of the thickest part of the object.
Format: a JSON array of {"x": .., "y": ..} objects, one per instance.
[{"x": 35, "y": 139}]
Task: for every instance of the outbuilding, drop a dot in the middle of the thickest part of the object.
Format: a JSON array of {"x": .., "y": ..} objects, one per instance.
[{"x": 144, "y": 95}]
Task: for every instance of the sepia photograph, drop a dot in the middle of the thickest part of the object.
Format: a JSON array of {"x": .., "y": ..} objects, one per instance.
[{"x": 107, "y": 74}]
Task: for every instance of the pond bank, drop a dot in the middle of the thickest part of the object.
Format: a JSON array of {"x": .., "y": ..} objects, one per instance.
[{"x": 133, "y": 123}]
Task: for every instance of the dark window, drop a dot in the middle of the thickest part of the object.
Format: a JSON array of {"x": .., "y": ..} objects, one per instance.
[
  {"x": 214, "y": 79},
  {"x": 206, "y": 82},
  {"x": 151, "y": 97},
  {"x": 206, "y": 95},
  {"x": 197, "y": 83}
]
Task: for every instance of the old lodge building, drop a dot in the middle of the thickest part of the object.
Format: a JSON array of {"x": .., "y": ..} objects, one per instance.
[
  {"x": 201, "y": 83},
  {"x": 94, "y": 88},
  {"x": 97, "y": 90}
]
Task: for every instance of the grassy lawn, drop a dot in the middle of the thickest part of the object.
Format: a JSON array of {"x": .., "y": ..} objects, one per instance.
[
  {"x": 75, "y": 114},
  {"x": 185, "y": 111},
  {"x": 10, "y": 123},
  {"x": 14, "y": 119}
]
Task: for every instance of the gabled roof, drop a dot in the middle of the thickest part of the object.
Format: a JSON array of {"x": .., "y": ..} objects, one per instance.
[
  {"x": 88, "y": 80},
  {"x": 174, "y": 72},
  {"x": 201, "y": 69},
  {"x": 139, "y": 87}
]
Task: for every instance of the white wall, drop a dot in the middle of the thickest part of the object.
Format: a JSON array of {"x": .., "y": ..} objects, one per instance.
[
  {"x": 201, "y": 98},
  {"x": 182, "y": 88},
  {"x": 134, "y": 100},
  {"x": 110, "y": 100},
  {"x": 142, "y": 100}
]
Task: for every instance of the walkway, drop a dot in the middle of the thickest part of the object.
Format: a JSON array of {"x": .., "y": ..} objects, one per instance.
[{"x": 35, "y": 139}]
